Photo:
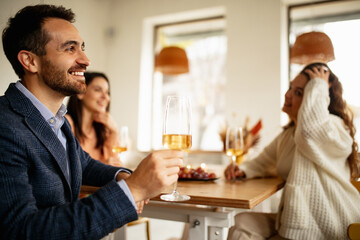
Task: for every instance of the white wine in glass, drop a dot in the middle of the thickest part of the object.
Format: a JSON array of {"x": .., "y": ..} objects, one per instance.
[
  {"x": 177, "y": 133},
  {"x": 124, "y": 141},
  {"x": 177, "y": 141},
  {"x": 234, "y": 142}
]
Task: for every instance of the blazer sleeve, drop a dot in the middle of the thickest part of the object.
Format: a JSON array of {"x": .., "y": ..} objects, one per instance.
[
  {"x": 94, "y": 172},
  {"x": 34, "y": 202}
]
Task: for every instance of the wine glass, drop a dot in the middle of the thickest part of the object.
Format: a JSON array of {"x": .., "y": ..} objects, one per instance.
[
  {"x": 177, "y": 133},
  {"x": 234, "y": 142},
  {"x": 124, "y": 141}
]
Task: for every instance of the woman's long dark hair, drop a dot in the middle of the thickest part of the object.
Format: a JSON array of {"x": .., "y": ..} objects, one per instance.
[
  {"x": 339, "y": 108},
  {"x": 74, "y": 109}
]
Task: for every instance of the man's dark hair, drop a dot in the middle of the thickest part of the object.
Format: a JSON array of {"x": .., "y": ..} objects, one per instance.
[{"x": 24, "y": 31}]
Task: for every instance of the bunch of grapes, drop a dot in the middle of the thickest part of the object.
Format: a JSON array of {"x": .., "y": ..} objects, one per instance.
[{"x": 198, "y": 173}]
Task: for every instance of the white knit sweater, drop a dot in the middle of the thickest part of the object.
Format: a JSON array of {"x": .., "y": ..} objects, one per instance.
[{"x": 319, "y": 201}]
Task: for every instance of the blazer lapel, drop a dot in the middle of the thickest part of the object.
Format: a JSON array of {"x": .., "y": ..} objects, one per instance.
[
  {"x": 40, "y": 128},
  {"x": 46, "y": 135},
  {"x": 74, "y": 160}
]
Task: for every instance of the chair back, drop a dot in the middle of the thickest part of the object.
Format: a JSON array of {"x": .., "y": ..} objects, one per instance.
[
  {"x": 356, "y": 184},
  {"x": 354, "y": 228}
]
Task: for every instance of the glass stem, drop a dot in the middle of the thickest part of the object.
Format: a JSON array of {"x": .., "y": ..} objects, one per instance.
[{"x": 175, "y": 188}]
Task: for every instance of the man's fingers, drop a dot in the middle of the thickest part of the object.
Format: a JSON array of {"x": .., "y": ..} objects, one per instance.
[
  {"x": 173, "y": 162},
  {"x": 140, "y": 206},
  {"x": 172, "y": 170},
  {"x": 171, "y": 179},
  {"x": 171, "y": 153}
]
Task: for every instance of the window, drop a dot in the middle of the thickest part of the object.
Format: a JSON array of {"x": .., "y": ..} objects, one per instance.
[
  {"x": 202, "y": 34},
  {"x": 205, "y": 44},
  {"x": 340, "y": 20}
]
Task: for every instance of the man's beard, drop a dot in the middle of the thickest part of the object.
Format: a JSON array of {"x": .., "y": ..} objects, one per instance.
[{"x": 55, "y": 78}]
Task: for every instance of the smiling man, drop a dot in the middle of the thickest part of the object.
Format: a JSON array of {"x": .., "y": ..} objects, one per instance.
[
  {"x": 60, "y": 71},
  {"x": 42, "y": 165}
]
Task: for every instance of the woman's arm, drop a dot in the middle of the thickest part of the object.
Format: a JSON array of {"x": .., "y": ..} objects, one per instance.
[
  {"x": 112, "y": 135},
  {"x": 314, "y": 116},
  {"x": 318, "y": 131},
  {"x": 265, "y": 164}
]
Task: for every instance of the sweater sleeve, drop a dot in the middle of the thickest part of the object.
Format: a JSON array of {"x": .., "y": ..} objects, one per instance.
[
  {"x": 264, "y": 164},
  {"x": 318, "y": 132}
]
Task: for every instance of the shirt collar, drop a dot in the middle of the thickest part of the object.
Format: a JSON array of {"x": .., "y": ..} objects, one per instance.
[{"x": 44, "y": 111}]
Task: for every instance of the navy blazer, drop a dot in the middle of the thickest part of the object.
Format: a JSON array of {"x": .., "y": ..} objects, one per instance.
[{"x": 38, "y": 200}]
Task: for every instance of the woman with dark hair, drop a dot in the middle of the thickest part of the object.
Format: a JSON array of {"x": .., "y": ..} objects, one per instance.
[
  {"x": 90, "y": 120},
  {"x": 316, "y": 155}
]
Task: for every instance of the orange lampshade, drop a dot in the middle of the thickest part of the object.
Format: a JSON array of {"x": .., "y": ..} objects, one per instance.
[
  {"x": 172, "y": 61},
  {"x": 312, "y": 47}
]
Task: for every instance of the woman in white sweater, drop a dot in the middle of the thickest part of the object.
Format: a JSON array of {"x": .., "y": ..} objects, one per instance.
[{"x": 317, "y": 156}]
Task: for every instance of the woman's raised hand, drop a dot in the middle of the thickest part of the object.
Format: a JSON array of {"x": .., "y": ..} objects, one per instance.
[
  {"x": 106, "y": 119},
  {"x": 319, "y": 72}
]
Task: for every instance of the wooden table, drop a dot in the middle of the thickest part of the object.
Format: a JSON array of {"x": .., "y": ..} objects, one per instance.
[
  {"x": 221, "y": 193},
  {"x": 208, "y": 211},
  {"x": 235, "y": 194}
]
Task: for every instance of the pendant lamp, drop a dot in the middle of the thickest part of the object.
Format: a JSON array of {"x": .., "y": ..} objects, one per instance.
[
  {"x": 312, "y": 47},
  {"x": 172, "y": 61}
]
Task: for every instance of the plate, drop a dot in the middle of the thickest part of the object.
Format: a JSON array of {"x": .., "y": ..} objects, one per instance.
[{"x": 197, "y": 179}]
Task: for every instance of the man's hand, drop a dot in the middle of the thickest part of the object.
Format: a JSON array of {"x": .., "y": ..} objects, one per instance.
[
  {"x": 140, "y": 205},
  {"x": 156, "y": 172}
]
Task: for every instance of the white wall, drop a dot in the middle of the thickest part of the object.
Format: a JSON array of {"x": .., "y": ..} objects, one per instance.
[
  {"x": 7, "y": 9},
  {"x": 91, "y": 17},
  {"x": 255, "y": 31}
]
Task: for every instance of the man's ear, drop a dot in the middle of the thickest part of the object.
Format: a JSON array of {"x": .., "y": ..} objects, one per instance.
[{"x": 29, "y": 61}]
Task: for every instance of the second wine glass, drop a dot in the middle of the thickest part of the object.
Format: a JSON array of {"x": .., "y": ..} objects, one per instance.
[
  {"x": 123, "y": 141},
  {"x": 177, "y": 133},
  {"x": 234, "y": 142}
]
